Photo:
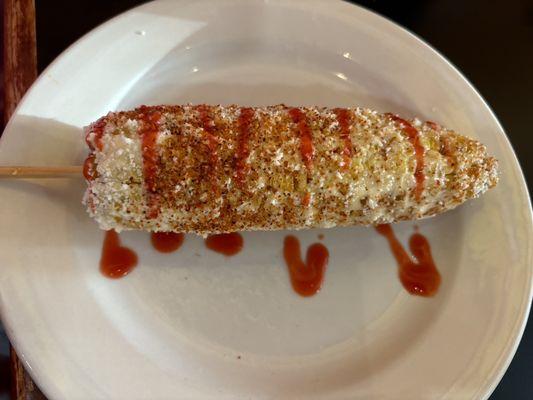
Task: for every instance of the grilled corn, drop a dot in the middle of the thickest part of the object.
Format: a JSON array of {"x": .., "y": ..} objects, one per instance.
[{"x": 214, "y": 169}]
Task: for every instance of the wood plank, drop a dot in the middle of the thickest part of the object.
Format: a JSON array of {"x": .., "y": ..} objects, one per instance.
[
  {"x": 19, "y": 70},
  {"x": 20, "y": 52},
  {"x": 22, "y": 386}
]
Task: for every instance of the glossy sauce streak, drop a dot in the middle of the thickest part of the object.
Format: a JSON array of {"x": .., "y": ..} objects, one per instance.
[
  {"x": 306, "y": 278},
  {"x": 421, "y": 277},
  {"x": 433, "y": 125},
  {"x": 243, "y": 147},
  {"x": 89, "y": 168},
  {"x": 166, "y": 242},
  {"x": 98, "y": 131},
  {"x": 307, "y": 150},
  {"x": 90, "y": 202},
  {"x": 306, "y": 199},
  {"x": 228, "y": 244},
  {"x": 208, "y": 126},
  {"x": 344, "y": 118},
  {"x": 116, "y": 261},
  {"x": 149, "y": 133},
  {"x": 414, "y": 138}
]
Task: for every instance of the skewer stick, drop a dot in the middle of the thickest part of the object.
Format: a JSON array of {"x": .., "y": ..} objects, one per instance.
[{"x": 23, "y": 172}]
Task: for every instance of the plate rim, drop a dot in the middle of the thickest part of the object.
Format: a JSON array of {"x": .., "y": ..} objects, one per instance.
[{"x": 507, "y": 352}]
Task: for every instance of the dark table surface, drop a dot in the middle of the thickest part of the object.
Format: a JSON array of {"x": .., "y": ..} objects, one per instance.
[{"x": 491, "y": 42}]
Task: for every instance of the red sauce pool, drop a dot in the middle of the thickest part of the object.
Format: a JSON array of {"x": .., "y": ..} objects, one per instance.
[
  {"x": 243, "y": 149},
  {"x": 421, "y": 277},
  {"x": 166, "y": 242},
  {"x": 306, "y": 278},
  {"x": 344, "y": 118},
  {"x": 306, "y": 139},
  {"x": 116, "y": 260},
  {"x": 414, "y": 138},
  {"x": 228, "y": 244}
]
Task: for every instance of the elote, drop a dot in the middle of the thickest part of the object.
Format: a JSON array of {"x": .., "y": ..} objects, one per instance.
[{"x": 215, "y": 169}]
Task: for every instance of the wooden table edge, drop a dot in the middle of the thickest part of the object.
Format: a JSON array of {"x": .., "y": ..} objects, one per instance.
[{"x": 20, "y": 71}]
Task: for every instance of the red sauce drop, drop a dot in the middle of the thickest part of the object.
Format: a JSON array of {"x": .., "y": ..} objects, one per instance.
[
  {"x": 306, "y": 278},
  {"x": 166, "y": 242},
  {"x": 243, "y": 149},
  {"x": 421, "y": 277},
  {"x": 149, "y": 133},
  {"x": 344, "y": 118},
  {"x": 306, "y": 139},
  {"x": 116, "y": 261},
  {"x": 321, "y": 236},
  {"x": 89, "y": 168},
  {"x": 414, "y": 138},
  {"x": 228, "y": 244}
]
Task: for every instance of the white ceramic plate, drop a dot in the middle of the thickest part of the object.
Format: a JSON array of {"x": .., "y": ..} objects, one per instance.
[{"x": 197, "y": 325}]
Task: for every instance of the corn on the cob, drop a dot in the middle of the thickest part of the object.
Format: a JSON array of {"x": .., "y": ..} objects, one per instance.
[{"x": 212, "y": 169}]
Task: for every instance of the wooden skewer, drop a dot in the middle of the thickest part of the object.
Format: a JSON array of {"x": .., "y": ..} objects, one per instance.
[{"x": 22, "y": 172}]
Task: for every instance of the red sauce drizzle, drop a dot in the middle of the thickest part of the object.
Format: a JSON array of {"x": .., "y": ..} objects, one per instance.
[
  {"x": 166, "y": 242},
  {"x": 433, "y": 125},
  {"x": 414, "y": 138},
  {"x": 149, "y": 132},
  {"x": 89, "y": 169},
  {"x": 306, "y": 139},
  {"x": 228, "y": 244},
  {"x": 97, "y": 128},
  {"x": 344, "y": 118},
  {"x": 306, "y": 200},
  {"x": 116, "y": 260},
  {"x": 208, "y": 125},
  {"x": 243, "y": 149},
  {"x": 421, "y": 277},
  {"x": 306, "y": 278}
]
